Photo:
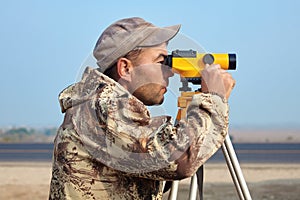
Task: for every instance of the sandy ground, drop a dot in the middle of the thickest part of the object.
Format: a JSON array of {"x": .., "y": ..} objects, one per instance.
[{"x": 29, "y": 180}]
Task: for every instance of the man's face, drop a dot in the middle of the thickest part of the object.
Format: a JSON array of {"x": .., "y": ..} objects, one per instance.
[{"x": 149, "y": 77}]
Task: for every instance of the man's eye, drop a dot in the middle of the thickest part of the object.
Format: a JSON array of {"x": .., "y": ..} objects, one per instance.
[{"x": 164, "y": 61}]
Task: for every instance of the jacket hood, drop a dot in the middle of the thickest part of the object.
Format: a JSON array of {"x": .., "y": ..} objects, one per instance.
[{"x": 92, "y": 81}]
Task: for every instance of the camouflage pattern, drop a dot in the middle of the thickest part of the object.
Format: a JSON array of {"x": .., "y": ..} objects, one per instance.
[{"x": 109, "y": 147}]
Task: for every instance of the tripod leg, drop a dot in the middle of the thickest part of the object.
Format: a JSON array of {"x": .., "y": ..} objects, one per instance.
[
  {"x": 174, "y": 190},
  {"x": 235, "y": 170},
  {"x": 232, "y": 173},
  {"x": 200, "y": 178},
  {"x": 193, "y": 188}
]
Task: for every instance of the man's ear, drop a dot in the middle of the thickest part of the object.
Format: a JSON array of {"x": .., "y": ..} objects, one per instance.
[{"x": 124, "y": 69}]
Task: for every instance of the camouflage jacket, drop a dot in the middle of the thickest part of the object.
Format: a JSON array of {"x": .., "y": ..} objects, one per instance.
[{"x": 109, "y": 147}]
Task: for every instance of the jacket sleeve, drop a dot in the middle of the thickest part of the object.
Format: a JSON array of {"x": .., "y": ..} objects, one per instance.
[
  {"x": 207, "y": 127},
  {"x": 129, "y": 140}
]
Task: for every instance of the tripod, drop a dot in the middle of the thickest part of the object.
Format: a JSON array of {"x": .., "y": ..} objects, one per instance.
[{"x": 229, "y": 154}]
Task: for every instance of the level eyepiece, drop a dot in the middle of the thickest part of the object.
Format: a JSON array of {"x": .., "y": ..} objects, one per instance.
[{"x": 232, "y": 61}]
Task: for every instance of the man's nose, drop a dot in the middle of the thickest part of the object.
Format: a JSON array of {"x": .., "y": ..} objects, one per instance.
[{"x": 167, "y": 71}]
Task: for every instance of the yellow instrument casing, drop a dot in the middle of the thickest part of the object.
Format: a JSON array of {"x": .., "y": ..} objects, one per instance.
[{"x": 189, "y": 63}]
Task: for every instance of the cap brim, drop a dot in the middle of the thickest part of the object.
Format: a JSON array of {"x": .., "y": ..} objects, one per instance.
[{"x": 160, "y": 35}]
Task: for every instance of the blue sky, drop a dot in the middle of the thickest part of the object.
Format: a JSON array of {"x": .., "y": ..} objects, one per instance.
[{"x": 45, "y": 43}]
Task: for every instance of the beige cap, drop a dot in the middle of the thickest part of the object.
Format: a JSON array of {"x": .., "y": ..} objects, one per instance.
[{"x": 126, "y": 34}]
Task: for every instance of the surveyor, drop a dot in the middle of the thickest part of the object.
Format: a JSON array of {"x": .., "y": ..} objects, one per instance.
[{"x": 109, "y": 146}]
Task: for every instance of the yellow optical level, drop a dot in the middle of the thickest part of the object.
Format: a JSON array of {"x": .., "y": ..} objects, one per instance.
[{"x": 189, "y": 63}]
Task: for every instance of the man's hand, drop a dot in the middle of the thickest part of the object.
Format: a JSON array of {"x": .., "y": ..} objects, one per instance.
[{"x": 216, "y": 80}]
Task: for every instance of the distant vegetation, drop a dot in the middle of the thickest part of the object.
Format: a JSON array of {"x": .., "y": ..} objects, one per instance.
[{"x": 27, "y": 135}]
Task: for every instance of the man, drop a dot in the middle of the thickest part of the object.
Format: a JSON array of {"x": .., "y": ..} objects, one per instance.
[{"x": 109, "y": 146}]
